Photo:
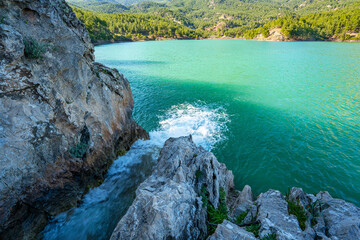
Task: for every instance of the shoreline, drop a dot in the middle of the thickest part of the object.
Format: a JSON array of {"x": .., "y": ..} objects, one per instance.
[{"x": 105, "y": 42}]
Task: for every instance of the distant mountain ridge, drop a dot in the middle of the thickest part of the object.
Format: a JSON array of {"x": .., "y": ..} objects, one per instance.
[
  {"x": 122, "y": 2},
  {"x": 235, "y": 18}
]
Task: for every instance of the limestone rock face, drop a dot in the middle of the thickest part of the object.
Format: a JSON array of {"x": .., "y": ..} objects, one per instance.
[
  {"x": 168, "y": 204},
  {"x": 230, "y": 231},
  {"x": 63, "y": 118},
  {"x": 274, "y": 216},
  {"x": 338, "y": 219}
]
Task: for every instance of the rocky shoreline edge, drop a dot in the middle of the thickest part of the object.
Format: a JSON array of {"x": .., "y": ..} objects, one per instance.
[
  {"x": 190, "y": 195},
  {"x": 259, "y": 38}
]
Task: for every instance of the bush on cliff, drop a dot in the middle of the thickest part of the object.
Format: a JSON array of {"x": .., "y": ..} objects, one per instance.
[{"x": 33, "y": 49}]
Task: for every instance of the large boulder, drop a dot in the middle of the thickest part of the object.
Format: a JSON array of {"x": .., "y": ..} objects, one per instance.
[
  {"x": 338, "y": 219},
  {"x": 63, "y": 118},
  {"x": 230, "y": 231},
  {"x": 274, "y": 216}
]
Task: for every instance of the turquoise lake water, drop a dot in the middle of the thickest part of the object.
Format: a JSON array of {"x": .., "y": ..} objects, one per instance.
[
  {"x": 293, "y": 107},
  {"x": 278, "y": 114}
]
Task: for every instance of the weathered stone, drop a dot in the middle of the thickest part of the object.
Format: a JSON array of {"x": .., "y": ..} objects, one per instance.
[
  {"x": 230, "y": 231},
  {"x": 63, "y": 118},
  {"x": 243, "y": 202},
  {"x": 11, "y": 44},
  {"x": 298, "y": 195},
  {"x": 338, "y": 219},
  {"x": 168, "y": 204},
  {"x": 252, "y": 214},
  {"x": 274, "y": 216}
]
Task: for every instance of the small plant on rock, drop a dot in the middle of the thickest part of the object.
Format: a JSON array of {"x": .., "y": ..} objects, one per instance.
[
  {"x": 78, "y": 150},
  {"x": 270, "y": 236},
  {"x": 240, "y": 218},
  {"x": 296, "y": 209},
  {"x": 312, "y": 210},
  {"x": 254, "y": 228},
  {"x": 33, "y": 49},
  {"x": 122, "y": 153},
  {"x": 215, "y": 216},
  {"x": 198, "y": 174}
]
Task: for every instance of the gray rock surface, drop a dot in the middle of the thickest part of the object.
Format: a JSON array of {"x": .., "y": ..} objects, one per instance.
[
  {"x": 339, "y": 219},
  {"x": 63, "y": 118},
  {"x": 243, "y": 202},
  {"x": 230, "y": 231},
  {"x": 274, "y": 216},
  {"x": 168, "y": 204}
]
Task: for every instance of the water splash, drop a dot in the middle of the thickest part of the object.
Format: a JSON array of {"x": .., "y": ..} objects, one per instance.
[
  {"x": 205, "y": 124},
  {"x": 103, "y": 206}
]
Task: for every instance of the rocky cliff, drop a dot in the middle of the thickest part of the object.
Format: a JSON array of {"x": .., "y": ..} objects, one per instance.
[
  {"x": 190, "y": 195},
  {"x": 63, "y": 117}
]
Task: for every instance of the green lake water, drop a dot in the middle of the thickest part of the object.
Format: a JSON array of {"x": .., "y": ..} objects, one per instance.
[{"x": 287, "y": 113}]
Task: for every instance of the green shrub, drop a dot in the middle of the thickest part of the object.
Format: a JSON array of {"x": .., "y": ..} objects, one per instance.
[
  {"x": 254, "y": 228},
  {"x": 215, "y": 216},
  {"x": 33, "y": 49},
  {"x": 122, "y": 153},
  {"x": 78, "y": 150},
  {"x": 241, "y": 217},
  {"x": 271, "y": 236},
  {"x": 312, "y": 210},
  {"x": 296, "y": 209},
  {"x": 198, "y": 174}
]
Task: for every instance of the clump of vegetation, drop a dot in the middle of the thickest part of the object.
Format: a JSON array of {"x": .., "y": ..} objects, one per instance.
[
  {"x": 312, "y": 210},
  {"x": 271, "y": 236},
  {"x": 198, "y": 174},
  {"x": 122, "y": 152},
  {"x": 33, "y": 49},
  {"x": 241, "y": 217},
  {"x": 96, "y": 184},
  {"x": 106, "y": 71},
  {"x": 78, "y": 150},
  {"x": 296, "y": 209},
  {"x": 254, "y": 228},
  {"x": 215, "y": 216},
  {"x": 195, "y": 155}
]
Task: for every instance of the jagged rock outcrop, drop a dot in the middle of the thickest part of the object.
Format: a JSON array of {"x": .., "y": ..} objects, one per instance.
[
  {"x": 230, "y": 231},
  {"x": 170, "y": 204},
  {"x": 63, "y": 118}
]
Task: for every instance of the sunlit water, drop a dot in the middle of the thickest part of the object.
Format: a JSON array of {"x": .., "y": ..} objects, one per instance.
[{"x": 278, "y": 114}]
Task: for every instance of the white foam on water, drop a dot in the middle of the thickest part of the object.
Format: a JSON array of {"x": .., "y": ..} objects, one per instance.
[
  {"x": 205, "y": 124},
  {"x": 103, "y": 206}
]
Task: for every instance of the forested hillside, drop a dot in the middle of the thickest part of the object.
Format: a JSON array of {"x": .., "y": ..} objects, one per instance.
[
  {"x": 343, "y": 24},
  {"x": 133, "y": 26},
  {"x": 298, "y": 19}
]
